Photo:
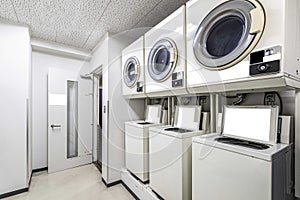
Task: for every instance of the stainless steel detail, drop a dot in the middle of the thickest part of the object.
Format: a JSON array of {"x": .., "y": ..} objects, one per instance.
[
  {"x": 235, "y": 11},
  {"x": 55, "y": 126},
  {"x": 131, "y": 72},
  {"x": 162, "y": 59}
]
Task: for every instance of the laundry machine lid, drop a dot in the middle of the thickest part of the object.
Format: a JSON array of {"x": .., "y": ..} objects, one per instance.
[
  {"x": 162, "y": 59},
  {"x": 153, "y": 113},
  {"x": 229, "y": 33},
  {"x": 255, "y": 123},
  {"x": 187, "y": 117},
  {"x": 131, "y": 72}
]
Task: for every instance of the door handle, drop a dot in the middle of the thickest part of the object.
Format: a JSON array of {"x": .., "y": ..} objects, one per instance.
[{"x": 55, "y": 126}]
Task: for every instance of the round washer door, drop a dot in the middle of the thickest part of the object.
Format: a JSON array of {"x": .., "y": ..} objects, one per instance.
[
  {"x": 229, "y": 33},
  {"x": 131, "y": 72},
  {"x": 162, "y": 59}
]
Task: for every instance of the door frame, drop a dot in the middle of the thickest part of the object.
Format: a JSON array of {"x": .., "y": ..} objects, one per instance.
[{"x": 97, "y": 74}]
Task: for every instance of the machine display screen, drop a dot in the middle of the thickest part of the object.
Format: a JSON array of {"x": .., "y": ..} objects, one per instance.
[{"x": 251, "y": 123}]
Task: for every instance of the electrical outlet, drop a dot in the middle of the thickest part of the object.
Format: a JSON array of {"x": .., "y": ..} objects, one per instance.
[
  {"x": 270, "y": 98},
  {"x": 203, "y": 99}
]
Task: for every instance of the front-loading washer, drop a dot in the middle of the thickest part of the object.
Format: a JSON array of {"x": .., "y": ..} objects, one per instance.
[
  {"x": 165, "y": 56},
  {"x": 137, "y": 142},
  {"x": 170, "y": 154},
  {"x": 228, "y": 41},
  {"x": 133, "y": 84}
]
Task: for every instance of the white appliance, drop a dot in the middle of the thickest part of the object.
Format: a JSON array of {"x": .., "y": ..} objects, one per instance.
[
  {"x": 133, "y": 84},
  {"x": 231, "y": 167},
  {"x": 165, "y": 55},
  {"x": 137, "y": 142},
  {"x": 170, "y": 154},
  {"x": 228, "y": 41}
]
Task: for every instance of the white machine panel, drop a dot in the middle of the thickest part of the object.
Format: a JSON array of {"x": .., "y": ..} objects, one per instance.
[
  {"x": 232, "y": 172},
  {"x": 240, "y": 177},
  {"x": 165, "y": 56},
  {"x": 137, "y": 142},
  {"x": 170, "y": 154},
  {"x": 263, "y": 37}
]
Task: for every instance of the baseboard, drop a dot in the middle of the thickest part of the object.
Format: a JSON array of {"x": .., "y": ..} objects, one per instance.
[
  {"x": 29, "y": 182},
  {"x": 98, "y": 166},
  {"x": 130, "y": 191},
  {"x": 111, "y": 184},
  {"x": 16, "y": 192},
  {"x": 120, "y": 182},
  {"x": 40, "y": 170}
]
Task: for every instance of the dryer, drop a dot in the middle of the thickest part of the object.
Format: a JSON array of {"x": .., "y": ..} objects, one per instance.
[
  {"x": 234, "y": 40},
  {"x": 165, "y": 50},
  {"x": 133, "y": 83}
]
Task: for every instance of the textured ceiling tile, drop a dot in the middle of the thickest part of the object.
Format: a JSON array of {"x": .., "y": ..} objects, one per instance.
[
  {"x": 7, "y": 10},
  {"x": 43, "y": 32},
  {"x": 67, "y": 18},
  {"x": 123, "y": 14},
  {"x": 76, "y": 22},
  {"x": 159, "y": 13},
  {"x": 96, "y": 35},
  {"x": 75, "y": 38},
  {"x": 84, "y": 14}
]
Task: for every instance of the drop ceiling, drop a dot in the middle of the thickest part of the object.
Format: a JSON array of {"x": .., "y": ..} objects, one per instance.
[{"x": 82, "y": 23}]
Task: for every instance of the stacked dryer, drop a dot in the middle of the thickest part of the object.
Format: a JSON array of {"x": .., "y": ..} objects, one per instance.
[
  {"x": 166, "y": 56},
  {"x": 229, "y": 41},
  {"x": 133, "y": 70}
]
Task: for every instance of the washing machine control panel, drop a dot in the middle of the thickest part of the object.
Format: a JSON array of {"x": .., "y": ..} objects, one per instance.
[
  {"x": 177, "y": 79},
  {"x": 265, "y": 61},
  {"x": 139, "y": 86}
]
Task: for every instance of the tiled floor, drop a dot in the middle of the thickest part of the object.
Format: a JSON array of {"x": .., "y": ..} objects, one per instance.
[{"x": 82, "y": 183}]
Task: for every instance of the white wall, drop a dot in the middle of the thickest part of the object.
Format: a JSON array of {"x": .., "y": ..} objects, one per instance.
[
  {"x": 108, "y": 55},
  {"x": 41, "y": 62},
  {"x": 15, "y": 55}
]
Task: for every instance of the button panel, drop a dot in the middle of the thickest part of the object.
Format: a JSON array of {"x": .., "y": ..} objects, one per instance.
[
  {"x": 139, "y": 87},
  {"x": 177, "y": 79},
  {"x": 265, "y": 68}
]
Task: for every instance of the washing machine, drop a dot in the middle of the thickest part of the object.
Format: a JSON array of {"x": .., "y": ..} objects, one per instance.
[
  {"x": 229, "y": 41},
  {"x": 133, "y": 84},
  {"x": 165, "y": 50},
  {"x": 244, "y": 161},
  {"x": 137, "y": 142},
  {"x": 170, "y": 154}
]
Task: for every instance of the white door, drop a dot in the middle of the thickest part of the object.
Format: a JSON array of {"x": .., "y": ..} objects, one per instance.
[{"x": 67, "y": 146}]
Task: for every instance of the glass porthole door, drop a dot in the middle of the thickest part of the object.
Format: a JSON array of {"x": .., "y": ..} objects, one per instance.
[
  {"x": 162, "y": 59},
  {"x": 229, "y": 33},
  {"x": 131, "y": 72}
]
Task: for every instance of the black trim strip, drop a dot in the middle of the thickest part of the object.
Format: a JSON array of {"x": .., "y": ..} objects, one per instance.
[
  {"x": 29, "y": 183},
  {"x": 16, "y": 192},
  {"x": 130, "y": 191},
  {"x": 111, "y": 184},
  {"x": 120, "y": 182},
  {"x": 98, "y": 166},
  {"x": 137, "y": 178},
  {"x": 40, "y": 170}
]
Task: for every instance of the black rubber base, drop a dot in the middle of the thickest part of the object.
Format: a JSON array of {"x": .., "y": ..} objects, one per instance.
[{"x": 9, "y": 194}]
